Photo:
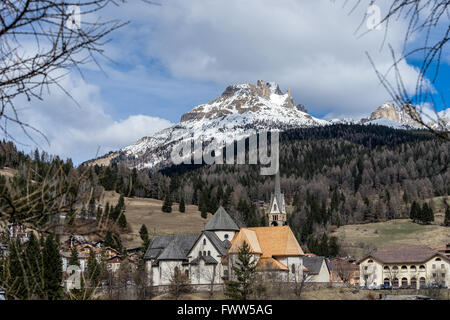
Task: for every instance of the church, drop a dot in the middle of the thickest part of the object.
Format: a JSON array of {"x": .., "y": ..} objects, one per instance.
[{"x": 207, "y": 258}]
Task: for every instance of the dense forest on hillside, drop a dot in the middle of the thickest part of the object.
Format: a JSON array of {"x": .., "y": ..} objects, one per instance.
[{"x": 331, "y": 175}]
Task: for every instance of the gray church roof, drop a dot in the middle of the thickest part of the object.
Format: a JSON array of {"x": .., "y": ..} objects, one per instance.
[
  {"x": 313, "y": 264},
  {"x": 171, "y": 247},
  {"x": 221, "y": 220},
  {"x": 207, "y": 259},
  {"x": 217, "y": 243}
]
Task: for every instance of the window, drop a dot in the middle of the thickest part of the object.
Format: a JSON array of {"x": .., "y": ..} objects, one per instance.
[
  {"x": 404, "y": 268},
  {"x": 199, "y": 253},
  {"x": 395, "y": 268},
  {"x": 293, "y": 268},
  {"x": 387, "y": 282},
  {"x": 186, "y": 273},
  {"x": 434, "y": 266},
  {"x": 204, "y": 253},
  {"x": 438, "y": 259},
  {"x": 209, "y": 253},
  {"x": 442, "y": 266},
  {"x": 422, "y": 282},
  {"x": 413, "y": 268},
  {"x": 370, "y": 261},
  {"x": 404, "y": 282},
  {"x": 204, "y": 241},
  {"x": 386, "y": 268},
  {"x": 395, "y": 283},
  {"x": 414, "y": 283},
  {"x": 422, "y": 268},
  {"x": 226, "y": 236}
]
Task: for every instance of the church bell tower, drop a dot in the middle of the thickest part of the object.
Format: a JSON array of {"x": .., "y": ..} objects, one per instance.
[{"x": 277, "y": 209}]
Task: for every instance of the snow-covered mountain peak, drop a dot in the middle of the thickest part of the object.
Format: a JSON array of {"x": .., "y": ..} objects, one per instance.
[
  {"x": 243, "y": 98},
  {"x": 236, "y": 114}
]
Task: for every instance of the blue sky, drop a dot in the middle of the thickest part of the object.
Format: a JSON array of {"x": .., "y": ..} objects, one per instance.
[{"x": 173, "y": 57}]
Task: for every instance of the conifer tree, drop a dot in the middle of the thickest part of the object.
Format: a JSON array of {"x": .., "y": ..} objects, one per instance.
[
  {"x": 143, "y": 233},
  {"x": 415, "y": 212},
  {"x": 447, "y": 217},
  {"x": 244, "y": 273},
  {"x": 93, "y": 268},
  {"x": 73, "y": 260},
  {"x": 122, "y": 220},
  {"x": 167, "y": 205},
  {"x": 33, "y": 260},
  {"x": 182, "y": 207},
  {"x": 52, "y": 266},
  {"x": 17, "y": 287}
]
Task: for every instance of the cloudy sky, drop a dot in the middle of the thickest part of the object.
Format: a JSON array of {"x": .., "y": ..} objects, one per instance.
[{"x": 179, "y": 54}]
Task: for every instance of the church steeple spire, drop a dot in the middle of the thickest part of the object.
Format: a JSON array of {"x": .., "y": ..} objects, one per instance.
[
  {"x": 277, "y": 182},
  {"x": 277, "y": 210}
]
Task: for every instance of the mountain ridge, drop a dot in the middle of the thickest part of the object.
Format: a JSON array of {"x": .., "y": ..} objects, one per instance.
[{"x": 239, "y": 110}]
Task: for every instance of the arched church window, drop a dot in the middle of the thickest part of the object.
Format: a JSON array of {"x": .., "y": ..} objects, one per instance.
[{"x": 204, "y": 241}]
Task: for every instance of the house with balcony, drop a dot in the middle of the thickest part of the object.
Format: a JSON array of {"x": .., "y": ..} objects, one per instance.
[{"x": 409, "y": 266}]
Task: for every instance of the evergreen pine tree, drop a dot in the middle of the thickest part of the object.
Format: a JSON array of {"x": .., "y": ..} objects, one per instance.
[
  {"x": 93, "y": 268},
  {"x": 182, "y": 207},
  {"x": 323, "y": 248},
  {"x": 415, "y": 211},
  {"x": 143, "y": 233},
  {"x": 74, "y": 260},
  {"x": 333, "y": 247},
  {"x": 447, "y": 217},
  {"x": 17, "y": 287},
  {"x": 33, "y": 268},
  {"x": 244, "y": 272},
  {"x": 122, "y": 220},
  {"x": 52, "y": 266},
  {"x": 167, "y": 205}
]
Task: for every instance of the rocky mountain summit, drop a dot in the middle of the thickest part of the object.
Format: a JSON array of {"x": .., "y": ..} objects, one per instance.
[{"x": 241, "y": 109}]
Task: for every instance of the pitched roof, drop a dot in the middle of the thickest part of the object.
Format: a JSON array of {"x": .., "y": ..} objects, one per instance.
[
  {"x": 172, "y": 252},
  {"x": 207, "y": 259},
  {"x": 248, "y": 236},
  {"x": 217, "y": 243},
  {"x": 221, "y": 220},
  {"x": 170, "y": 247},
  {"x": 268, "y": 241},
  {"x": 268, "y": 264},
  {"x": 313, "y": 264},
  {"x": 404, "y": 254}
]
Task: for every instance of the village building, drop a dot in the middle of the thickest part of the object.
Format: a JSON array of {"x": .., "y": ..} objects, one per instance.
[
  {"x": 409, "y": 266},
  {"x": 444, "y": 249},
  {"x": 84, "y": 250},
  {"x": 316, "y": 269},
  {"x": 19, "y": 231},
  {"x": 276, "y": 251},
  {"x": 344, "y": 271},
  {"x": 200, "y": 256}
]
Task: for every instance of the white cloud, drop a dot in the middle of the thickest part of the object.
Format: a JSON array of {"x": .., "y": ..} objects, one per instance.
[
  {"x": 77, "y": 130},
  {"x": 308, "y": 46}
]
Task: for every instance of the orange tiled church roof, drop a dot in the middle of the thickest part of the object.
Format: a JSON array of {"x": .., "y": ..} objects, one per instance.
[{"x": 268, "y": 241}]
